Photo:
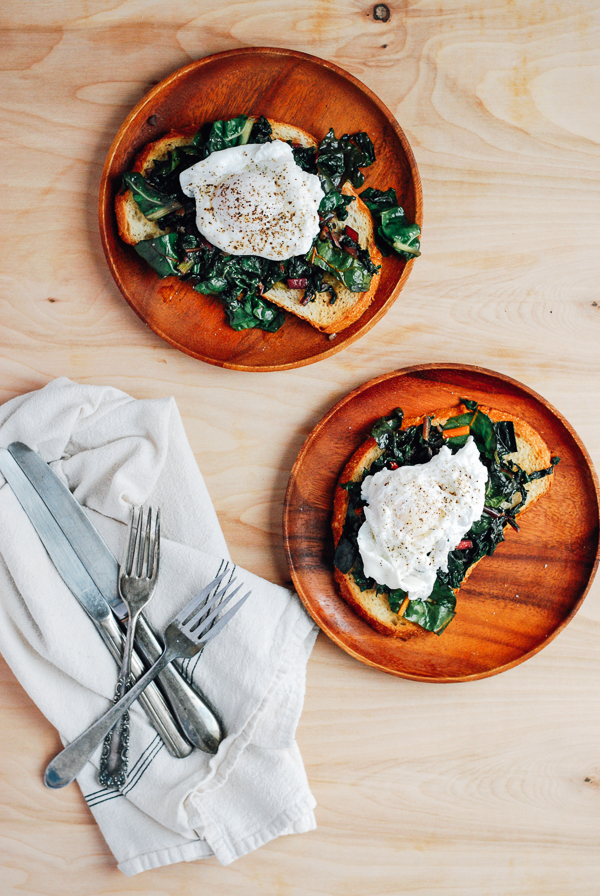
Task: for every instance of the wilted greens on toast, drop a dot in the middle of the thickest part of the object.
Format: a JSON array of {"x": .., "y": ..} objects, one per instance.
[
  {"x": 519, "y": 469},
  {"x": 330, "y": 286}
]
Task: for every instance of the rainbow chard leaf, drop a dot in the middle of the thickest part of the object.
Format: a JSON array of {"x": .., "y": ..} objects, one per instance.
[
  {"x": 393, "y": 232},
  {"x": 224, "y": 134},
  {"x": 402, "y": 237},
  {"x": 161, "y": 254},
  {"x": 435, "y": 613},
  {"x": 152, "y": 203},
  {"x": 343, "y": 266},
  {"x": 340, "y": 160}
]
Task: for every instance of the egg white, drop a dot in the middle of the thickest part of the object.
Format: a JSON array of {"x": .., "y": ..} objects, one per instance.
[
  {"x": 417, "y": 514},
  {"x": 255, "y": 200}
]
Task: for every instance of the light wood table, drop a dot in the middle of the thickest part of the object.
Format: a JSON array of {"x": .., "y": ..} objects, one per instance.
[{"x": 488, "y": 788}]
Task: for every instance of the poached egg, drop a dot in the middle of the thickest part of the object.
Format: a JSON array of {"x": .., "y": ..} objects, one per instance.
[
  {"x": 417, "y": 514},
  {"x": 255, "y": 200}
]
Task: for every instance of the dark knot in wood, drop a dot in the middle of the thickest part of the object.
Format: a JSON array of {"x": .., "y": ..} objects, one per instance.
[{"x": 381, "y": 12}]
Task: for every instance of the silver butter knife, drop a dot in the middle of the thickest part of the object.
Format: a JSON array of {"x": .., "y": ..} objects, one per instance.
[
  {"x": 197, "y": 720},
  {"x": 86, "y": 592}
]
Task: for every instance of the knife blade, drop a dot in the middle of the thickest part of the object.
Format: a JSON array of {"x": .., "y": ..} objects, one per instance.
[
  {"x": 86, "y": 592},
  {"x": 197, "y": 720}
]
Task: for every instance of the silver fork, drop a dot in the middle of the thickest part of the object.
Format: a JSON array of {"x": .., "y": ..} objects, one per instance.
[
  {"x": 199, "y": 622},
  {"x": 137, "y": 584}
]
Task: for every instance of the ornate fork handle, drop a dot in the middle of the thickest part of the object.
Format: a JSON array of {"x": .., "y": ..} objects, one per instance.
[
  {"x": 115, "y": 750},
  {"x": 113, "y": 765},
  {"x": 152, "y": 700},
  {"x": 65, "y": 767}
]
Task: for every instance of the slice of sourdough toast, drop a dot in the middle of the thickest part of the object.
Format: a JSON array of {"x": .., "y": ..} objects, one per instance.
[
  {"x": 532, "y": 455},
  {"x": 348, "y": 306},
  {"x": 133, "y": 227}
]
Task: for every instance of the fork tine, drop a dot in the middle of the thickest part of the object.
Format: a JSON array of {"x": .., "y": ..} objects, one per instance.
[
  {"x": 202, "y": 619},
  {"x": 133, "y": 530},
  {"x": 201, "y": 611},
  {"x": 154, "y": 557},
  {"x": 143, "y": 541},
  {"x": 215, "y": 629},
  {"x": 138, "y": 545},
  {"x": 203, "y": 616},
  {"x": 146, "y": 560},
  {"x": 193, "y": 605}
]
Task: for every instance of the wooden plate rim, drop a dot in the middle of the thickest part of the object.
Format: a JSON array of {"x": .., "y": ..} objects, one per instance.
[
  {"x": 305, "y": 450},
  {"x": 107, "y": 219}
]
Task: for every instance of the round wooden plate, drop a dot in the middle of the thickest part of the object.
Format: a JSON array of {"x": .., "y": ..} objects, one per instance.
[
  {"x": 283, "y": 85},
  {"x": 514, "y": 602}
]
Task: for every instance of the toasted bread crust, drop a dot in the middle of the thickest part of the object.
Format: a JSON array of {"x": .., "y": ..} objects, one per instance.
[
  {"x": 348, "y": 307},
  {"x": 533, "y": 454},
  {"x": 133, "y": 227}
]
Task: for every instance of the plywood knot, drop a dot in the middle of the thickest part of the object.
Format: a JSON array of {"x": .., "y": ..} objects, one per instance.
[{"x": 381, "y": 12}]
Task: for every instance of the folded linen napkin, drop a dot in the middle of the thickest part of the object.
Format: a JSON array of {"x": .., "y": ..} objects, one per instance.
[{"x": 114, "y": 451}]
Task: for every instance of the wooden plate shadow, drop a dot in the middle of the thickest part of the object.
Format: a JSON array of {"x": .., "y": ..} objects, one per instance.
[
  {"x": 515, "y": 602},
  {"x": 283, "y": 85}
]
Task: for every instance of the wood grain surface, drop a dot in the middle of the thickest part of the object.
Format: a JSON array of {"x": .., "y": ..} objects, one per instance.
[{"x": 486, "y": 788}]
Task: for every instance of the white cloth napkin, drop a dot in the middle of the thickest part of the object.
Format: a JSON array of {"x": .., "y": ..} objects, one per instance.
[{"x": 114, "y": 451}]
